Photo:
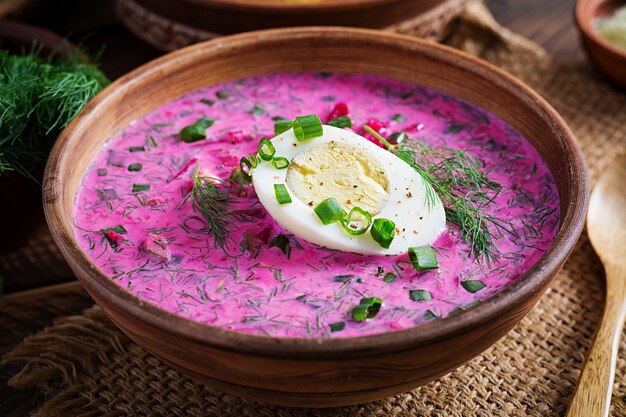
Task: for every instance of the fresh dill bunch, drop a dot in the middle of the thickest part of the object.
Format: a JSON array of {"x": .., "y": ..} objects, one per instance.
[
  {"x": 465, "y": 190},
  {"x": 38, "y": 98}
]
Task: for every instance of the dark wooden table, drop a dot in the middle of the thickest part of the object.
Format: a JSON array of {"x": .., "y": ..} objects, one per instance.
[{"x": 550, "y": 23}]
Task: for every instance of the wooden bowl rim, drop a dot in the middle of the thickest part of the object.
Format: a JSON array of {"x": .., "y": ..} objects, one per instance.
[
  {"x": 534, "y": 281},
  {"x": 583, "y": 21}
]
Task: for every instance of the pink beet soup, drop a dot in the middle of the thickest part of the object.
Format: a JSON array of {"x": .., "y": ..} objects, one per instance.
[{"x": 166, "y": 254}]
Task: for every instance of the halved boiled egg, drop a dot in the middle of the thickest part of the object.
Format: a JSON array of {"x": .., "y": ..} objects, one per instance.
[{"x": 357, "y": 173}]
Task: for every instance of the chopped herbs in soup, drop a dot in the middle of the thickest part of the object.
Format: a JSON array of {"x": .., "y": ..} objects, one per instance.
[{"x": 316, "y": 205}]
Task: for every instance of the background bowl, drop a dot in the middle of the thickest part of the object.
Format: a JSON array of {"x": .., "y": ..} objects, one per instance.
[
  {"x": 309, "y": 372},
  {"x": 610, "y": 59},
  {"x": 172, "y": 24}
]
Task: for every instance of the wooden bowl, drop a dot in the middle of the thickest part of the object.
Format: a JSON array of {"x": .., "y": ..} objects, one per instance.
[
  {"x": 172, "y": 24},
  {"x": 311, "y": 372},
  {"x": 610, "y": 59}
]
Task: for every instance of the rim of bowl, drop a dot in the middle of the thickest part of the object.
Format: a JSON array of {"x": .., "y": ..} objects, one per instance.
[
  {"x": 28, "y": 35},
  {"x": 534, "y": 281},
  {"x": 584, "y": 23}
]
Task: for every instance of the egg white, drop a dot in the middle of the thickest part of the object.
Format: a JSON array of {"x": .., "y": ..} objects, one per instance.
[{"x": 417, "y": 224}]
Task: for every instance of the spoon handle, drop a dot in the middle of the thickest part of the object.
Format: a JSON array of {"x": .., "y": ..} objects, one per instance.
[{"x": 592, "y": 397}]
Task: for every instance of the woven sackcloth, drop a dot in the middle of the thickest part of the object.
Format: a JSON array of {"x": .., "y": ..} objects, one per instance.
[{"x": 86, "y": 367}]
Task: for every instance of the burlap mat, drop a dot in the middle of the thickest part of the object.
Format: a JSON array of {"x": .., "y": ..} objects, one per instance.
[{"x": 87, "y": 367}]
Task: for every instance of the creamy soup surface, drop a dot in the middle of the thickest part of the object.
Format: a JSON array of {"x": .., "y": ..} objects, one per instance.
[{"x": 296, "y": 289}]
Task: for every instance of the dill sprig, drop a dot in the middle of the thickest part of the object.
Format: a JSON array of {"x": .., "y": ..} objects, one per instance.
[
  {"x": 38, "y": 98},
  {"x": 215, "y": 206},
  {"x": 459, "y": 180},
  {"x": 465, "y": 190}
]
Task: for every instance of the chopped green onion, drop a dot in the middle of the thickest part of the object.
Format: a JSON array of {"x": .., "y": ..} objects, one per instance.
[
  {"x": 336, "y": 327},
  {"x": 329, "y": 211},
  {"x": 281, "y": 125},
  {"x": 398, "y": 118},
  {"x": 423, "y": 258},
  {"x": 284, "y": 243},
  {"x": 246, "y": 164},
  {"x": 137, "y": 149},
  {"x": 367, "y": 309},
  {"x": 256, "y": 110},
  {"x": 383, "y": 232},
  {"x": 473, "y": 285},
  {"x": 342, "y": 121},
  {"x": 389, "y": 277},
  {"x": 140, "y": 187},
  {"x": 429, "y": 315},
  {"x": 307, "y": 127},
  {"x": 207, "y": 101},
  {"x": 196, "y": 131},
  {"x": 282, "y": 195},
  {"x": 280, "y": 162},
  {"x": 222, "y": 94},
  {"x": 420, "y": 295},
  {"x": 254, "y": 161},
  {"x": 239, "y": 176},
  {"x": 266, "y": 149},
  {"x": 135, "y": 167},
  {"x": 353, "y": 226}
]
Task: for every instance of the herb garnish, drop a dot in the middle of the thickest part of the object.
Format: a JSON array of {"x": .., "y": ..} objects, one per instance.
[
  {"x": 215, "y": 206},
  {"x": 460, "y": 182},
  {"x": 38, "y": 98}
]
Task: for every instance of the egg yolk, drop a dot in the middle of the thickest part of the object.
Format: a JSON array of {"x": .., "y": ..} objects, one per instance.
[{"x": 344, "y": 172}]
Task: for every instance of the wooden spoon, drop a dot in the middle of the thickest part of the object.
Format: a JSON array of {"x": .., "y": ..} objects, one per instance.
[{"x": 606, "y": 226}]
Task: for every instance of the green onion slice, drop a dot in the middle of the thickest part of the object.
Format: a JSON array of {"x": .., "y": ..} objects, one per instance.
[
  {"x": 357, "y": 222},
  {"x": 307, "y": 127},
  {"x": 280, "y": 162},
  {"x": 420, "y": 295},
  {"x": 281, "y": 125},
  {"x": 266, "y": 149},
  {"x": 196, "y": 131},
  {"x": 383, "y": 232},
  {"x": 473, "y": 285},
  {"x": 342, "y": 121},
  {"x": 246, "y": 165},
  {"x": 329, "y": 211},
  {"x": 336, "y": 327},
  {"x": 140, "y": 187},
  {"x": 135, "y": 167},
  {"x": 423, "y": 258},
  {"x": 254, "y": 161},
  {"x": 389, "y": 277},
  {"x": 367, "y": 309},
  {"x": 282, "y": 195}
]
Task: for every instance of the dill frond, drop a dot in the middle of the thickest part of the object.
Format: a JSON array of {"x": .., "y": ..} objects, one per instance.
[
  {"x": 215, "y": 206},
  {"x": 465, "y": 190},
  {"x": 38, "y": 98}
]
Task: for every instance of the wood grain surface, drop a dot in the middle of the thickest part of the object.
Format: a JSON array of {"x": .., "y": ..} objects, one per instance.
[
  {"x": 548, "y": 23},
  {"x": 606, "y": 227}
]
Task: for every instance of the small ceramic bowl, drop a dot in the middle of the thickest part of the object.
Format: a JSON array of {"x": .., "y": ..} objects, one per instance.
[
  {"x": 610, "y": 59},
  {"x": 299, "y": 371}
]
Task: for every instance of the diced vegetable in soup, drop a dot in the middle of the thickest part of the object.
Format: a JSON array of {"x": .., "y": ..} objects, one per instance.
[{"x": 316, "y": 205}]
